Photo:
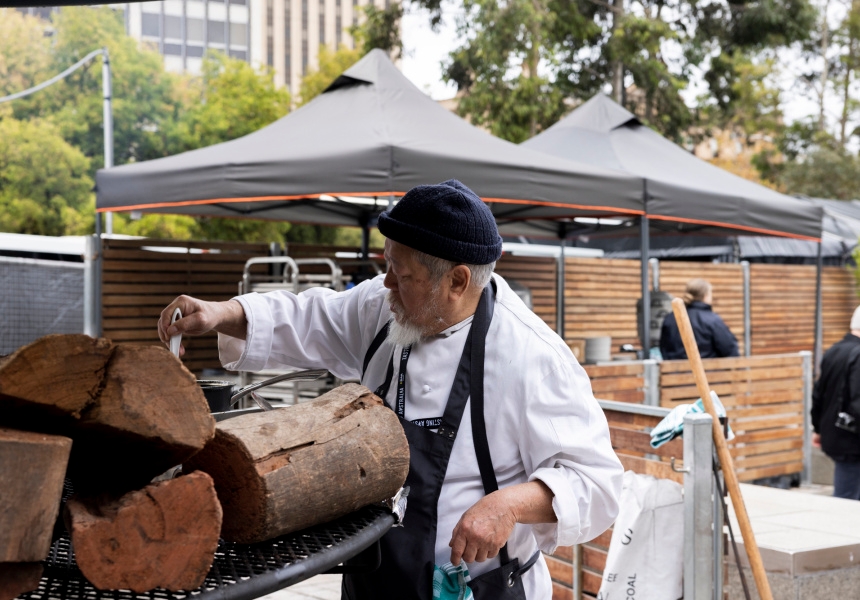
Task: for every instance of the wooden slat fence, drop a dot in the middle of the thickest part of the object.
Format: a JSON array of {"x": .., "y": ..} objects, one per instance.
[
  {"x": 782, "y": 303},
  {"x": 622, "y": 382},
  {"x": 763, "y": 396},
  {"x": 600, "y": 299},
  {"x": 539, "y": 274},
  {"x": 141, "y": 277},
  {"x": 838, "y": 299}
]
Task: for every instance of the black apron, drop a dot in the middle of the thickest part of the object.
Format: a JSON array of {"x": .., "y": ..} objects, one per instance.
[{"x": 408, "y": 552}]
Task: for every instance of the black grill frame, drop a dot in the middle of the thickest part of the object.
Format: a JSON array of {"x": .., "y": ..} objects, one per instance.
[{"x": 239, "y": 571}]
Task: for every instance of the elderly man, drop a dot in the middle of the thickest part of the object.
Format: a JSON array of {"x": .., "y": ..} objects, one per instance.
[{"x": 509, "y": 451}]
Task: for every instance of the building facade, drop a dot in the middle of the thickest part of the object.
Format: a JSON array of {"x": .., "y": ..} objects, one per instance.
[
  {"x": 183, "y": 30},
  {"x": 285, "y": 35}
]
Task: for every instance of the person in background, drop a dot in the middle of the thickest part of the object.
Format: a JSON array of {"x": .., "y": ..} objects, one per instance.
[
  {"x": 836, "y": 411},
  {"x": 529, "y": 467},
  {"x": 712, "y": 334}
]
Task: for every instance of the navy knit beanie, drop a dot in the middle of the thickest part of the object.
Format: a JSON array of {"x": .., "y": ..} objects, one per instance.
[{"x": 447, "y": 220}]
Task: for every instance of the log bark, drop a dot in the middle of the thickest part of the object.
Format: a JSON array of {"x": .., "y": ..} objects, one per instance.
[
  {"x": 19, "y": 578},
  {"x": 133, "y": 411},
  {"x": 163, "y": 536},
  {"x": 280, "y": 471},
  {"x": 32, "y": 468}
]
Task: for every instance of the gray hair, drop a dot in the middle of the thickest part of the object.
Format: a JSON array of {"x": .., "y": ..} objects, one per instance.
[{"x": 439, "y": 266}]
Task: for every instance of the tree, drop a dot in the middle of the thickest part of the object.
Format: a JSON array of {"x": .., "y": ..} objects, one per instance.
[
  {"x": 229, "y": 101},
  {"x": 24, "y": 51},
  {"x": 331, "y": 65},
  {"x": 144, "y": 97},
  {"x": 44, "y": 186},
  {"x": 379, "y": 29}
]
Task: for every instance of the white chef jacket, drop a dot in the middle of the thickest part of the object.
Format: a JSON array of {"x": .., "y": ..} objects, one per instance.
[{"x": 541, "y": 417}]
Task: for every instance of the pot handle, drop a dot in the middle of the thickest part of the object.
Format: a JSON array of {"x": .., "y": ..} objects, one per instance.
[
  {"x": 176, "y": 339},
  {"x": 308, "y": 375}
]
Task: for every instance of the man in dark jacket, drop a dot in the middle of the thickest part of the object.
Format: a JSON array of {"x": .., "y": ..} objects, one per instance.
[
  {"x": 836, "y": 411},
  {"x": 713, "y": 336}
]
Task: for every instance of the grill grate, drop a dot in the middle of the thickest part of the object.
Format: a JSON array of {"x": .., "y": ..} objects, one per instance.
[{"x": 235, "y": 566}]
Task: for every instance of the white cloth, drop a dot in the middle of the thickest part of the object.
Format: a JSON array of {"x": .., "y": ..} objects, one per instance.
[{"x": 542, "y": 419}]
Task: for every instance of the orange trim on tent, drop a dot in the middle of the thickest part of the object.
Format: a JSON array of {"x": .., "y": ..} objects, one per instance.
[
  {"x": 357, "y": 194},
  {"x": 744, "y": 227}
]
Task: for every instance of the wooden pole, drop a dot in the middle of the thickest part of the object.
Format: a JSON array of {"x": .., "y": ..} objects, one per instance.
[{"x": 725, "y": 457}]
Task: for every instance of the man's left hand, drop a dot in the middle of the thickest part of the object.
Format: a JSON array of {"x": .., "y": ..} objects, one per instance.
[
  {"x": 487, "y": 525},
  {"x": 482, "y": 530}
]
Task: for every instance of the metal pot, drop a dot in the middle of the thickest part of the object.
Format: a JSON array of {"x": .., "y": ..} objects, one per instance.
[{"x": 220, "y": 396}]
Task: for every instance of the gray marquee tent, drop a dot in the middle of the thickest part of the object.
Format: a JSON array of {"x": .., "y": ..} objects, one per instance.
[
  {"x": 684, "y": 191},
  {"x": 340, "y": 159},
  {"x": 681, "y": 192}
]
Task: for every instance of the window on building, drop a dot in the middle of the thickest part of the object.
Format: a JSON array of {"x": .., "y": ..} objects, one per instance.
[
  {"x": 194, "y": 51},
  {"x": 304, "y": 36},
  {"x": 270, "y": 33},
  {"x": 173, "y": 49},
  {"x": 355, "y": 10},
  {"x": 241, "y": 2},
  {"x": 338, "y": 25},
  {"x": 322, "y": 22},
  {"x": 173, "y": 27},
  {"x": 240, "y": 54},
  {"x": 216, "y": 32},
  {"x": 194, "y": 30},
  {"x": 238, "y": 34},
  {"x": 150, "y": 25}
]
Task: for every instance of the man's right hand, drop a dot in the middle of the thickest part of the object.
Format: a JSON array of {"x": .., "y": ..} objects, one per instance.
[{"x": 200, "y": 316}]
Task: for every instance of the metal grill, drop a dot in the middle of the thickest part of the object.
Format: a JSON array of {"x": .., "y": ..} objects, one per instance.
[{"x": 239, "y": 571}]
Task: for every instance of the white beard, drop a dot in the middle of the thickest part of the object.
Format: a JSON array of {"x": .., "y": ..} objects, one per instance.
[
  {"x": 407, "y": 332},
  {"x": 404, "y": 334}
]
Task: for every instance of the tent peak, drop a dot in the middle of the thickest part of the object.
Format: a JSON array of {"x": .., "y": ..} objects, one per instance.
[
  {"x": 370, "y": 69},
  {"x": 600, "y": 113}
]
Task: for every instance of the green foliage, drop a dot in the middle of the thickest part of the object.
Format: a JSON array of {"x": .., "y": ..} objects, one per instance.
[
  {"x": 331, "y": 65},
  {"x": 43, "y": 179},
  {"x": 826, "y": 172},
  {"x": 24, "y": 52},
  {"x": 143, "y": 94},
  {"x": 229, "y": 101},
  {"x": 380, "y": 29}
]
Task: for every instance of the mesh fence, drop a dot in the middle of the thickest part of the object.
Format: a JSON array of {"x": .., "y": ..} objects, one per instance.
[{"x": 38, "y": 297}]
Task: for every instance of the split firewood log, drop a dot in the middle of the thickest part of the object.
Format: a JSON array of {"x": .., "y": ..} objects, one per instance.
[
  {"x": 19, "y": 578},
  {"x": 283, "y": 470},
  {"x": 32, "y": 469},
  {"x": 133, "y": 411},
  {"x": 164, "y": 535}
]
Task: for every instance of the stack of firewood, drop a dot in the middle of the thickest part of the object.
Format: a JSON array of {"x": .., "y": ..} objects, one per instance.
[{"x": 116, "y": 420}]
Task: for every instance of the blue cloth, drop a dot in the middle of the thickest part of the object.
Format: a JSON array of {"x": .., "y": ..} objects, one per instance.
[
  {"x": 846, "y": 480},
  {"x": 672, "y": 424},
  {"x": 449, "y": 582}
]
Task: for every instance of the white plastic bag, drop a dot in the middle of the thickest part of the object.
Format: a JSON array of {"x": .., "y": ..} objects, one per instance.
[{"x": 646, "y": 553}]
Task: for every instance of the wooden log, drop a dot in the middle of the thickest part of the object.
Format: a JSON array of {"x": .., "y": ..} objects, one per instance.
[
  {"x": 284, "y": 470},
  {"x": 133, "y": 411},
  {"x": 19, "y": 578},
  {"x": 163, "y": 536},
  {"x": 32, "y": 468}
]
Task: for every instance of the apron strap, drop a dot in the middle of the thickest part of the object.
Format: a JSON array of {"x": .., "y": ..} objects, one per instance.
[{"x": 374, "y": 346}]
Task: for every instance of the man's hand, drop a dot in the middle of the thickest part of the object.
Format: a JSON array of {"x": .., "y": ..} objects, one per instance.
[
  {"x": 816, "y": 440},
  {"x": 199, "y": 317},
  {"x": 487, "y": 525}
]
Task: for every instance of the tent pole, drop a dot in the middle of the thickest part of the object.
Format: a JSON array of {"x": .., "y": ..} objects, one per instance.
[
  {"x": 819, "y": 321},
  {"x": 559, "y": 302},
  {"x": 645, "y": 251},
  {"x": 365, "y": 238}
]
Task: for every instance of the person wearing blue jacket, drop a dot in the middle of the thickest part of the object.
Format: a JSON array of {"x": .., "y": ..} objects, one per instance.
[{"x": 713, "y": 336}]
